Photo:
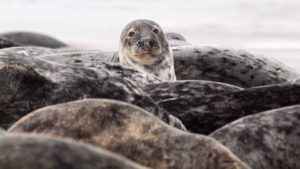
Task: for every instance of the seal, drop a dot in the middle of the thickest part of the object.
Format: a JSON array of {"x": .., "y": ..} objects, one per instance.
[
  {"x": 236, "y": 67},
  {"x": 97, "y": 60},
  {"x": 130, "y": 131},
  {"x": 4, "y": 43},
  {"x": 204, "y": 114},
  {"x": 187, "y": 89},
  {"x": 175, "y": 36},
  {"x": 26, "y": 51},
  {"x": 29, "y": 83},
  {"x": 265, "y": 140},
  {"x": 176, "y": 39},
  {"x": 42, "y": 152},
  {"x": 143, "y": 45},
  {"x": 32, "y": 39}
]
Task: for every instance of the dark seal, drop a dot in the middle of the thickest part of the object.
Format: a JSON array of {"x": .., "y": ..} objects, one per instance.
[
  {"x": 129, "y": 131},
  {"x": 205, "y": 114},
  {"x": 40, "y": 152},
  {"x": 143, "y": 45},
  {"x": 266, "y": 140},
  {"x": 29, "y": 83},
  {"x": 32, "y": 39}
]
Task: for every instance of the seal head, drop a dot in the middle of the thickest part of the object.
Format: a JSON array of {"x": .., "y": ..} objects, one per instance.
[{"x": 143, "y": 45}]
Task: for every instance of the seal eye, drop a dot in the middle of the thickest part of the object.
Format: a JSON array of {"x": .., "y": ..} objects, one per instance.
[
  {"x": 156, "y": 31},
  {"x": 131, "y": 34}
]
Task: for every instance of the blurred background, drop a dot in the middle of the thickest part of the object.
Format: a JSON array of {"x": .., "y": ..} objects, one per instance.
[{"x": 266, "y": 27}]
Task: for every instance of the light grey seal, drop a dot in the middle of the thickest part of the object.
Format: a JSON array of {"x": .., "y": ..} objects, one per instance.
[
  {"x": 32, "y": 39},
  {"x": 143, "y": 45},
  {"x": 267, "y": 140},
  {"x": 41, "y": 152},
  {"x": 130, "y": 131}
]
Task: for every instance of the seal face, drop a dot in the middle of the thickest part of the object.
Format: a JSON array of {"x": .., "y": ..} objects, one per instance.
[{"x": 143, "y": 45}]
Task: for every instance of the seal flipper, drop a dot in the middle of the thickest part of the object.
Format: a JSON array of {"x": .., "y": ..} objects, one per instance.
[{"x": 17, "y": 81}]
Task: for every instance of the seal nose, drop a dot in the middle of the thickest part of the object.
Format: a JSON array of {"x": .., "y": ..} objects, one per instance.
[{"x": 146, "y": 43}]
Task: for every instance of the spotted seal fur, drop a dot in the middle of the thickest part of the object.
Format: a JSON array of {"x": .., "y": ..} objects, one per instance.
[
  {"x": 41, "y": 152},
  {"x": 26, "y": 51},
  {"x": 187, "y": 89},
  {"x": 236, "y": 67},
  {"x": 99, "y": 60},
  {"x": 129, "y": 131},
  {"x": 143, "y": 45},
  {"x": 205, "y": 114},
  {"x": 267, "y": 140},
  {"x": 29, "y": 83}
]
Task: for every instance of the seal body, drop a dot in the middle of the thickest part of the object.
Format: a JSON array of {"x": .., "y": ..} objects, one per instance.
[
  {"x": 143, "y": 45},
  {"x": 130, "y": 131},
  {"x": 235, "y": 67},
  {"x": 265, "y": 140},
  {"x": 176, "y": 39},
  {"x": 32, "y": 39},
  {"x": 5, "y": 43},
  {"x": 187, "y": 89},
  {"x": 41, "y": 152},
  {"x": 29, "y": 83},
  {"x": 204, "y": 114},
  {"x": 97, "y": 60}
]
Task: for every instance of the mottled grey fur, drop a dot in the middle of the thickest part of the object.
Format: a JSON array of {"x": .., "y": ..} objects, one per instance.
[
  {"x": 187, "y": 89},
  {"x": 235, "y": 67},
  {"x": 28, "y": 51},
  {"x": 29, "y": 83},
  {"x": 32, "y": 39},
  {"x": 205, "y": 114},
  {"x": 99, "y": 60},
  {"x": 130, "y": 131},
  {"x": 268, "y": 140},
  {"x": 40, "y": 152}
]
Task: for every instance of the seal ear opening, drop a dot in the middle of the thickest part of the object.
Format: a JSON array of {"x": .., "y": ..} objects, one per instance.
[{"x": 18, "y": 81}]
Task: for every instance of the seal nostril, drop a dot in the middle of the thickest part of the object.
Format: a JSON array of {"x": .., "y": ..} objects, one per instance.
[{"x": 151, "y": 43}]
